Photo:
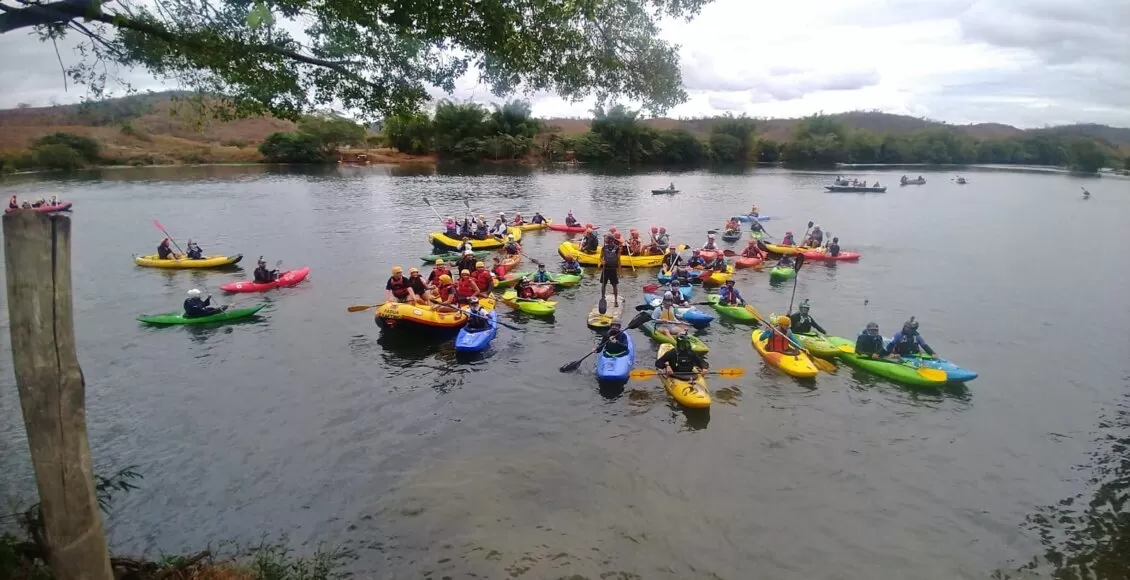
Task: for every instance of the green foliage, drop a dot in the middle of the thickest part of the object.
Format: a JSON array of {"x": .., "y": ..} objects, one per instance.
[
  {"x": 458, "y": 124},
  {"x": 331, "y": 131},
  {"x": 726, "y": 148},
  {"x": 466, "y": 131},
  {"x": 85, "y": 147},
  {"x": 1085, "y": 155},
  {"x": 409, "y": 133},
  {"x": 514, "y": 118},
  {"x": 115, "y": 111},
  {"x": 743, "y": 130},
  {"x": 276, "y": 562},
  {"x": 1126, "y": 163},
  {"x": 380, "y": 57},
  {"x": 768, "y": 151},
  {"x": 292, "y": 148},
  {"x": 375, "y": 141},
  {"x": 679, "y": 147},
  {"x": 58, "y": 157}
]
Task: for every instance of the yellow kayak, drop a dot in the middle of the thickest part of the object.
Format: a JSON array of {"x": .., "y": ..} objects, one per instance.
[
  {"x": 717, "y": 278},
  {"x": 798, "y": 365},
  {"x": 787, "y": 250},
  {"x": 567, "y": 249},
  {"x": 152, "y": 261},
  {"x": 692, "y": 394},
  {"x": 393, "y": 315},
  {"x": 441, "y": 239},
  {"x": 534, "y": 227}
]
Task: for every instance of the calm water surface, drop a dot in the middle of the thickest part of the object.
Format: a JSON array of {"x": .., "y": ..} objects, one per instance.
[{"x": 310, "y": 422}]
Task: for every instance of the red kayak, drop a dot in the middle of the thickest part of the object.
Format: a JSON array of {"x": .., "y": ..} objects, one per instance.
[
  {"x": 709, "y": 254},
  {"x": 820, "y": 255},
  {"x": 542, "y": 291},
  {"x": 286, "y": 280},
  {"x": 572, "y": 229},
  {"x": 747, "y": 262},
  {"x": 61, "y": 206}
]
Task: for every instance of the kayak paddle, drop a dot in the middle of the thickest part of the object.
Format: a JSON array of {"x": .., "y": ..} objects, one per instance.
[
  {"x": 928, "y": 374},
  {"x": 732, "y": 372},
  {"x": 820, "y": 363},
  {"x": 362, "y": 307},
  {"x": 796, "y": 269},
  {"x": 635, "y": 323},
  {"x": 171, "y": 239}
]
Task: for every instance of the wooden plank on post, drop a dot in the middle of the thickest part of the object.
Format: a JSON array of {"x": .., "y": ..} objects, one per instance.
[{"x": 37, "y": 258}]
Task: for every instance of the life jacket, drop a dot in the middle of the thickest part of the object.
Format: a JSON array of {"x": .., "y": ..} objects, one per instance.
[
  {"x": 778, "y": 343},
  {"x": 612, "y": 254},
  {"x": 445, "y": 292},
  {"x": 751, "y": 252},
  {"x": 465, "y": 288},
  {"x": 437, "y": 272},
  {"x": 526, "y": 291},
  {"x": 399, "y": 287},
  {"x": 500, "y": 271},
  {"x": 667, "y": 314},
  {"x": 482, "y": 278},
  {"x": 634, "y": 246}
]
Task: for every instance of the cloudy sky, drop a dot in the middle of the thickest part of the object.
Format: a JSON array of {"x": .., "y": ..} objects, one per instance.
[{"x": 1027, "y": 63}]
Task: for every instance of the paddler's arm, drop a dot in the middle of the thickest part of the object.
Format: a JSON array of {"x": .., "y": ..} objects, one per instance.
[
  {"x": 922, "y": 344},
  {"x": 818, "y": 327}
]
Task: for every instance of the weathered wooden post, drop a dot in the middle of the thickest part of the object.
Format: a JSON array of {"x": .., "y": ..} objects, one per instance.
[{"x": 37, "y": 259}]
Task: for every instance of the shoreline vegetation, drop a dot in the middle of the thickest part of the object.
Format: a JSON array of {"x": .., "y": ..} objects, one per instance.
[{"x": 164, "y": 129}]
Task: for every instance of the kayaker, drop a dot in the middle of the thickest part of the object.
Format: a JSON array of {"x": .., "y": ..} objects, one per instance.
[
  {"x": 696, "y": 261},
  {"x": 194, "y": 252},
  {"x": 732, "y": 225},
  {"x": 541, "y": 276},
  {"x": 499, "y": 269},
  {"x": 439, "y": 270},
  {"x": 614, "y": 342},
  {"x": 467, "y": 262},
  {"x": 776, "y": 337},
  {"x": 518, "y": 221},
  {"x": 785, "y": 262},
  {"x": 263, "y": 275},
  {"x": 444, "y": 291},
  {"x": 788, "y": 241},
  {"x": 13, "y": 203},
  {"x": 802, "y": 322},
  {"x": 538, "y": 218},
  {"x": 502, "y": 217},
  {"x": 710, "y": 245},
  {"x": 466, "y": 245},
  {"x": 662, "y": 241},
  {"x": 815, "y": 237},
  {"x": 610, "y": 268},
  {"x": 571, "y": 266},
  {"x": 476, "y": 316},
  {"x": 570, "y": 220},
  {"x": 164, "y": 252},
  {"x": 511, "y": 247},
  {"x": 525, "y": 289},
  {"x": 869, "y": 342},
  {"x": 195, "y": 306},
  {"x": 466, "y": 230},
  {"x": 450, "y": 228},
  {"x": 664, "y": 315},
  {"x": 908, "y": 342},
  {"x": 481, "y": 230},
  {"x": 499, "y": 228},
  {"x": 465, "y": 289},
  {"x": 718, "y": 264},
  {"x": 752, "y": 251},
  {"x": 483, "y": 278},
  {"x": 417, "y": 288},
  {"x": 671, "y": 260},
  {"x": 676, "y": 293},
  {"x": 635, "y": 246},
  {"x": 755, "y": 226},
  {"x": 834, "y": 247},
  {"x": 590, "y": 243},
  {"x": 754, "y": 211},
  {"x": 730, "y": 295},
  {"x": 396, "y": 289},
  {"x": 40, "y": 202},
  {"x": 26, "y": 204},
  {"x": 682, "y": 359},
  {"x": 621, "y": 243}
]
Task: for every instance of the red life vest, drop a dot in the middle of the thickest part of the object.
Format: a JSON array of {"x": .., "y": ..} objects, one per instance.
[
  {"x": 445, "y": 292},
  {"x": 399, "y": 287},
  {"x": 437, "y": 272},
  {"x": 778, "y": 343},
  {"x": 482, "y": 278},
  {"x": 466, "y": 287}
]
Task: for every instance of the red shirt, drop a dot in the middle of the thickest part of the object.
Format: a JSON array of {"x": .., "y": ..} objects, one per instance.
[{"x": 482, "y": 278}]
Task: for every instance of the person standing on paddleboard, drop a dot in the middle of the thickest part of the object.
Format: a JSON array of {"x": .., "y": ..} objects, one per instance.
[{"x": 610, "y": 268}]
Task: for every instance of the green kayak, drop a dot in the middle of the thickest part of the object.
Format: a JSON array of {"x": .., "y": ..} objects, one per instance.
[
  {"x": 818, "y": 344},
  {"x": 511, "y": 279},
  {"x": 565, "y": 280},
  {"x": 893, "y": 370},
  {"x": 452, "y": 257},
  {"x": 779, "y": 274},
  {"x": 649, "y": 328},
  {"x": 756, "y": 235},
  {"x": 178, "y": 317},
  {"x": 738, "y": 313}
]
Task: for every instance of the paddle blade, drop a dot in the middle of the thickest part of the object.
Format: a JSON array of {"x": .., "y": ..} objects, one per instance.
[
  {"x": 642, "y": 374},
  {"x": 651, "y": 288},
  {"x": 644, "y": 308},
  {"x": 361, "y": 308},
  {"x": 823, "y": 365},
  {"x": 729, "y": 253},
  {"x": 602, "y": 306},
  {"x": 426, "y": 202},
  {"x": 731, "y": 372},
  {"x": 639, "y": 319},
  {"x": 798, "y": 262},
  {"x": 933, "y": 374},
  {"x": 570, "y": 367},
  {"x": 847, "y": 348},
  {"x": 159, "y": 226}
]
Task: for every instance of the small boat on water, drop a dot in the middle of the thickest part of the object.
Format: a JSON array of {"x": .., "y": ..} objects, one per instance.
[
  {"x": 920, "y": 181},
  {"x": 670, "y": 190},
  {"x": 855, "y": 188},
  {"x": 961, "y": 181}
]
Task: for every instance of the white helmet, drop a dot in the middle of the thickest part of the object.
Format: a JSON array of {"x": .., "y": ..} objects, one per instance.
[
  {"x": 501, "y": 214},
  {"x": 668, "y": 296},
  {"x": 468, "y": 253},
  {"x": 194, "y": 292}
]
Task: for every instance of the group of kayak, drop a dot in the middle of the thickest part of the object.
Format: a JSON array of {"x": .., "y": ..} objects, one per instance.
[{"x": 40, "y": 204}]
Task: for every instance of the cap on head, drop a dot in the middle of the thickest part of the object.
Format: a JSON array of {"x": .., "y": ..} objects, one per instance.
[
  {"x": 541, "y": 266},
  {"x": 730, "y": 282},
  {"x": 872, "y": 326},
  {"x": 804, "y": 305},
  {"x": 784, "y": 321},
  {"x": 440, "y": 262},
  {"x": 615, "y": 322},
  {"x": 654, "y": 229},
  {"x": 194, "y": 292},
  {"x": 397, "y": 270}
]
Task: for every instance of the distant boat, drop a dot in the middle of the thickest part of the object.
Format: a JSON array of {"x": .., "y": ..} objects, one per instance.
[
  {"x": 855, "y": 189},
  {"x": 1086, "y": 194},
  {"x": 670, "y": 190},
  {"x": 961, "y": 181},
  {"x": 919, "y": 181}
]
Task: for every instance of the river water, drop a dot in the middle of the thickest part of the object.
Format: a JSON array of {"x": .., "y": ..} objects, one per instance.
[{"x": 311, "y": 423}]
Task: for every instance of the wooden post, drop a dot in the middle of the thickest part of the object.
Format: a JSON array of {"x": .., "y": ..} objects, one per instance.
[{"x": 37, "y": 258}]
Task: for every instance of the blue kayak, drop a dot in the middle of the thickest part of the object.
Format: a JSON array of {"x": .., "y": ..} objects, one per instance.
[
  {"x": 477, "y": 340},
  {"x": 954, "y": 373},
  {"x": 749, "y": 218},
  {"x": 616, "y": 368},
  {"x": 688, "y": 314},
  {"x": 664, "y": 278}
]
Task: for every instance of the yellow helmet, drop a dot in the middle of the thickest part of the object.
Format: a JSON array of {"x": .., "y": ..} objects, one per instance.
[
  {"x": 784, "y": 321},
  {"x": 397, "y": 270},
  {"x": 445, "y": 279},
  {"x": 439, "y": 261},
  {"x": 480, "y": 265}
]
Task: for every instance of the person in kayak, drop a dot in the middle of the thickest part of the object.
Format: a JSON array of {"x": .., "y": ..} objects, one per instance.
[
  {"x": 571, "y": 266},
  {"x": 525, "y": 289},
  {"x": 662, "y": 241},
  {"x": 396, "y": 289},
  {"x": 263, "y": 275},
  {"x": 466, "y": 288},
  {"x": 467, "y": 262},
  {"x": 730, "y": 295},
  {"x": 417, "y": 288},
  {"x": 834, "y": 247},
  {"x": 195, "y": 306},
  {"x": 444, "y": 291},
  {"x": 718, "y": 264},
  {"x": 681, "y": 360},
  {"x": 815, "y": 237},
  {"x": 754, "y": 211},
  {"x": 635, "y": 245},
  {"x": 753, "y": 251},
  {"x": 538, "y": 218},
  {"x": 570, "y": 220},
  {"x": 518, "y": 221},
  {"x": 869, "y": 342},
  {"x": 777, "y": 341},
  {"x": 908, "y": 342},
  {"x": 610, "y": 268},
  {"x": 671, "y": 260},
  {"x": 439, "y": 270},
  {"x": 466, "y": 245},
  {"x": 590, "y": 243},
  {"x": 498, "y": 269},
  {"x": 483, "y": 279},
  {"x": 498, "y": 230},
  {"x": 164, "y": 252},
  {"x": 481, "y": 230},
  {"x": 696, "y": 261},
  {"x": 710, "y": 245},
  {"x": 512, "y": 248},
  {"x": 450, "y": 228},
  {"x": 13, "y": 203},
  {"x": 732, "y": 226},
  {"x": 788, "y": 241},
  {"x": 541, "y": 276},
  {"x": 614, "y": 342},
  {"x": 665, "y": 316},
  {"x": 476, "y": 316},
  {"x": 802, "y": 322},
  {"x": 466, "y": 230},
  {"x": 785, "y": 262},
  {"x": 502, "y": 216},
  {"x": 194, "y": 252}
]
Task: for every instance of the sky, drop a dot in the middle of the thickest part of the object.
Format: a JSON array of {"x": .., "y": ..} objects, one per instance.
[{"x": 1027, "y": 63}]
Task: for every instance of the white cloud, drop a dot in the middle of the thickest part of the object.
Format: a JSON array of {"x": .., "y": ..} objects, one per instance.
[{"x": 1023, "y": 62}]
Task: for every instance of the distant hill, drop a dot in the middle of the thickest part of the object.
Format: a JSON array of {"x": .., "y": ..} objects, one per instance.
[{"x": 160, "y": 129}]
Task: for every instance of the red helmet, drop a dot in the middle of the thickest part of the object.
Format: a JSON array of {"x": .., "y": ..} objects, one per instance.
[{"x": 654, "y": 229}]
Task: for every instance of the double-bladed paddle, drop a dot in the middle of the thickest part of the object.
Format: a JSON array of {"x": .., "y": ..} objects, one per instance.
[
  {"x": 635, "y": 323},
  {"x": 730, "y": 372}
]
